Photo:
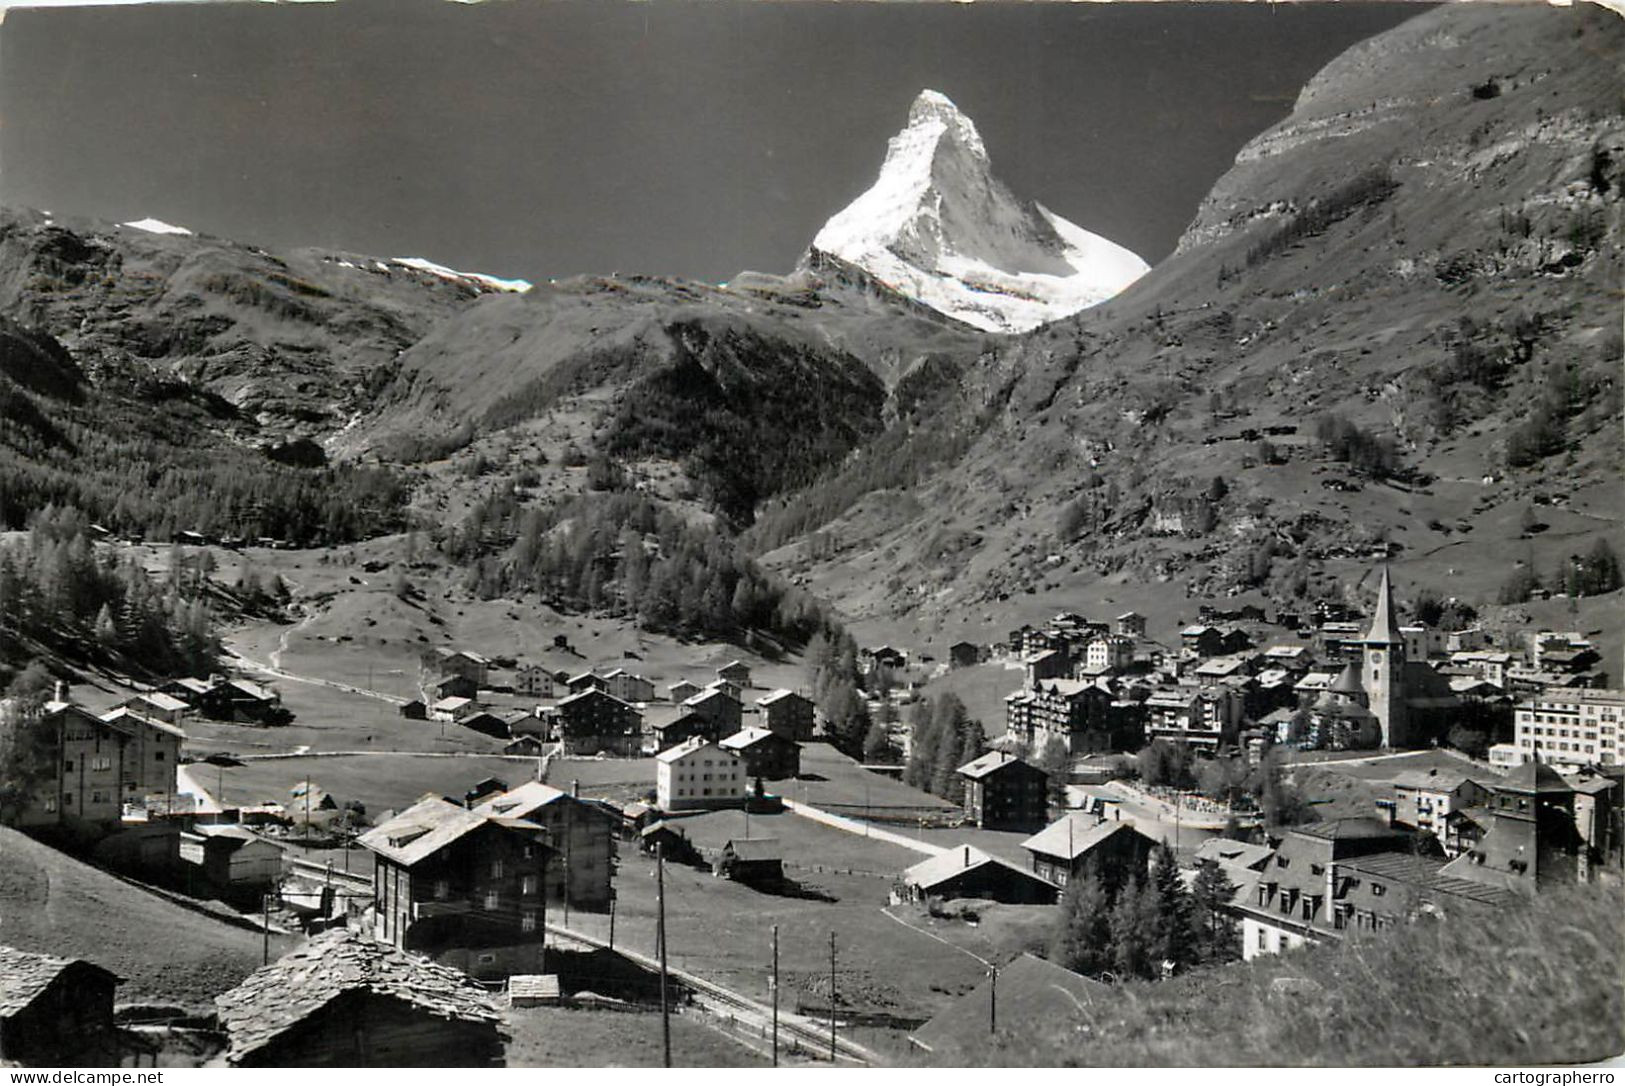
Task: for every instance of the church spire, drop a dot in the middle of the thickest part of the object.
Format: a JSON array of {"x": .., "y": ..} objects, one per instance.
[{"x": 1383, "y": 630}]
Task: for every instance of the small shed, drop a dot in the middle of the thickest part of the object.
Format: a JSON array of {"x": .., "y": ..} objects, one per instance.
[
  {"x": 755, "y": 861},
  {"x": 53, "y": 1010},
  {"x": 346, "y": 1000},
  {"x": 415, "y": 710}
]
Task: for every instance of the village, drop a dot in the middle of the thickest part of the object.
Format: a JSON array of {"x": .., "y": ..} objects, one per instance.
[{"x": 520, "y": 850}]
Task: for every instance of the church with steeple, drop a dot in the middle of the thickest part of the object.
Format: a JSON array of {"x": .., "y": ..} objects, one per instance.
[{"x": 1383, "y": 699}]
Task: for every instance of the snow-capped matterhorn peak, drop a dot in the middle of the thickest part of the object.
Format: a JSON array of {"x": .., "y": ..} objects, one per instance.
[{"x": 940, "y": 228}]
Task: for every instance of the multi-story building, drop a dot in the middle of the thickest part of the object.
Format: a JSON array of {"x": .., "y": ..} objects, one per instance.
[
  {"x": 764, "y": 753},
  {"x": 1426, "y": 800},
  {"x": 719, "y": 707},
  {"x": 786, "y": 713},
  {"x": 628, "y": 687},
  {"x": 594, "y": 722},
  {"x": 102, "y": 763},
  {"x": 1002, "y": 792},
  {"x": 1107, "y": 654},
  {"x": 463, "y": 888},
  {"x": 534, "y": 681},
  {"x": 581, "y": 835},
  {"x": 1204, "y": 717},
  {"x": 1331, "y": 878},
  {"x": 1571, "y": 727},
  {"x": 698, "y": 775}
]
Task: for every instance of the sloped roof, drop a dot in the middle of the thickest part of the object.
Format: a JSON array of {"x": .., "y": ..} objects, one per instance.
[
  {"x": 991, "y": 762},
  {"x": 777, "y": 696},
  {"x": 1383, "y": 629},
  {"x": 1075, "y": 835},
  {"x": 162, "y": 701},
  {"x": 1348, "y": 681},
  {"x": 23, "y": 976},
  {"x": 955, "y": 861},
  {"x": 749, "y": 737},
  {"x": 521, "y": 801},
  {"x": 1030, "y": 989},
  {"x": 421, "y": 830},
  {"x": 128, "y": 716},
  {"x": 752, "y": 849},
  {"x": 690, "y": 746},
  {"x": 278, "y": 997},
  {"x": 1230, "y": 853},
  {"x": 1534, "y": 777}
]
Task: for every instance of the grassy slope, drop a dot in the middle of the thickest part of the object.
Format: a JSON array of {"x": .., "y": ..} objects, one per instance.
[
  {"x": 1529, "y": 986},
  {"x": 51, "y": 903},
  {"x": 573, "y": 1037}
]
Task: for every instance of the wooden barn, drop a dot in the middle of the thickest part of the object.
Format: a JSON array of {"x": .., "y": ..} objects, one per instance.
[
  {"x": 754, "y": 861},
  {"x": 968, "y": 872},
  {"x": 54, "y": 1011},
  {"x": 346, "y": 1000}
]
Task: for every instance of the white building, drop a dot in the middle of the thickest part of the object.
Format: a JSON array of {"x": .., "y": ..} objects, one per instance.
[
  {"x": 697, "y": 775},
  {"x": 1109, "y": 653},
  {"x": 1570, "y": 727}
]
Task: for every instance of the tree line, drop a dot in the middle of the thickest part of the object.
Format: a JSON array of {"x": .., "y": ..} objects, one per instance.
[{"x": 59, "y": 594}]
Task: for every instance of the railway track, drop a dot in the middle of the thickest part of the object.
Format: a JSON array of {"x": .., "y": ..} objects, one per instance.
[{"x": 810, "y": 1038}]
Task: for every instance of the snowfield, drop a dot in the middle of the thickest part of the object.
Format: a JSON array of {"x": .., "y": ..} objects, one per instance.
[{"x": 939, "y": 227}]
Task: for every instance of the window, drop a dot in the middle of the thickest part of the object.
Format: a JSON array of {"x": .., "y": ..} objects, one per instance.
[
  {"x": 157, "y": 755},
  {"x": 50, "y": 803},
  {"x": 527, "y": 885},
  {"x": 442, "y": 889},
  {"x": 1378, "y": 889},
  {"x": 67, "y": 766},
  {"x": 492, "y": 900},
  {"x": 496, "y": 869},
  {"x": 101, "y": 762},
  {"x": 527, "y": 921}
]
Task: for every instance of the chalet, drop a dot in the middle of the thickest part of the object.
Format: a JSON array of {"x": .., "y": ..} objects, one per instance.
[
  {"x": 1028, "y": 989},
  {"x": 882, "y": 661},
  {"x": 54, "y": 1011},
  {"x": 347, "y": 1000},
  {"x": 628, "y": 687},
  {"x": 681, "y": 690},
  {"x": 754, "y": 861},
  {"x": 580, "y": 833},
  {"x": 726, "y": 686},
  {"x": 1202, "y": 640},
  {"x": 1131, "y": 624},
  {"x": 698, "y": 775},
  {"x": 765, "y": 754},
  {"x": 454, "y": 686},
  {"x": 534, "y": 681},
  {"x": 719, "y": 708},
  {"x": 667, "y": 839},
  {"x": 1047, "y": 664},
  {"x": 1295, "y": 658},
  {"x": 240, "y": 701},
  {"x": 1330, "y": 878},
  {"x": 415, "y": 710},
  {"x": 451, "y": 710},
  {"x": 531, "y": 745},
  {"x": 964, "y": 654},
  {"x": 488, "y": 723},
  {"x": 186, "y": 688},
  {"x": 968, "y": 872},
  {"x": 1061, "y": 850},
  {"x": 1002, "y": 792},
  {"x": 156, "y": 705},
  {"x": 231, "y": 861},
  {"x": 594, "y": 722},
  {"x": 103, "y": 763},
  {"x": 736, "y": 671},
  {"x": 678, "y": 724},
  {"x": 787, "y": 713},
  {"x": 587, "y": 680},
  {"x": 482, "y": 790},
  {"x": 470, "y": 665},
  {"x": 466, "y": 889}
]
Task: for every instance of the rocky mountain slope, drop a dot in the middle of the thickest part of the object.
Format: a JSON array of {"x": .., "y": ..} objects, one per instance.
[
  {"x": 1393, "y": 328},
  {"x": 938, "y": 227},
  {"x": 290, "y": 340}
]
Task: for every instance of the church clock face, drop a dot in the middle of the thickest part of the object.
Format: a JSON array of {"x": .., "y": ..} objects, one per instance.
[{"x": 1376, "y": 657}]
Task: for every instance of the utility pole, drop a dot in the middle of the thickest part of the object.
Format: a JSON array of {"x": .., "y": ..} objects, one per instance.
[
  {"x": 993, "y": 1000},
  {"x": 612, "y": 920},
  {"x": 660, "y": 934},
  {"x": 775, "y": 995},
  {"x": 832, "y": 997},
  {"x": 265, "y": 927}
]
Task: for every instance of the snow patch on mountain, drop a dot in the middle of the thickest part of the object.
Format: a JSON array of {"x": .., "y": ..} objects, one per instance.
[
  {"x": 940, "y": 228},
  {"x": 490, "y": 282},
  {"x": 156, "y": 226}
]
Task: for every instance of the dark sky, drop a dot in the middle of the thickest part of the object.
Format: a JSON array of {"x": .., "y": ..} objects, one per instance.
[{"x": 548, "y": 138}]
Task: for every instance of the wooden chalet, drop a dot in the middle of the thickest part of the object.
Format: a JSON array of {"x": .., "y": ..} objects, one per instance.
[
  {"x": 968, "y": 872},
  {"x": 765, "y": 754},
  {"x": 347, "y": 1000},
  {"x": 755, "y": 861},
  {"x": 1061, "y": 850},
  {"x": 1002, "y": 792},
  {"x": 54, "y": 1011}
]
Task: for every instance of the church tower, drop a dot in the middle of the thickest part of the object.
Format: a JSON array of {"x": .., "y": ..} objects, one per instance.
[{"x": 1383, "y": 671}]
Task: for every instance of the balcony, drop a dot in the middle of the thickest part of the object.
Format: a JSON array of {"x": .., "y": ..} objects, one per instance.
[{"x": 425, "y": 910}]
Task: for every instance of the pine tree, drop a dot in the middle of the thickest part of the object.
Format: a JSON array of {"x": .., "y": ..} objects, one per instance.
[
  {"x": 1176, "y": 935},
  {"x": 106, "y": 632},
  {"x": 1211, "y": 893},
  {"x": 1134, "y": 930},
  {"x": 1082, "y": 939}
]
